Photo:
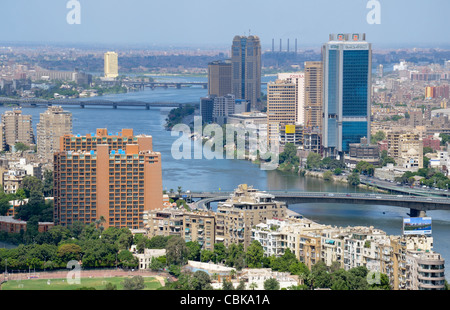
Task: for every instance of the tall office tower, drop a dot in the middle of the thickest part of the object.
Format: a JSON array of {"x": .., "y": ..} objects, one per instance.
[
  {"x": 219, "y": 78},
  {"x": 282, "y": 107},
  {"x": 114, "y": 177},
  {"x": 246, "y": 70},
  {"x": 17, "y": 128},
  {"x": 224, "y": 106},
  {"x": 299, "y": 80},
  {"x": 313, "y": 95},
  {"x": 207, "y": 109},
  {"x": 53, "y": 123},
  {"x": 347, "y": 62},
  {"x": 111, "y": 65}
]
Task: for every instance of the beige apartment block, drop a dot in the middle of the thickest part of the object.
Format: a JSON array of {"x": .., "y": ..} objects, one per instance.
[
  {"x": 246, "y": 208},
  {"x": 190, "y": 226},
  {"x": 17, "y": 128},
  {"x": 282, "y": 107},
  {"x": 53, "y": 123},
  {"x": 111, "y": 65}
]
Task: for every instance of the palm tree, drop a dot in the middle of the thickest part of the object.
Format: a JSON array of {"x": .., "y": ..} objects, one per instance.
[
  {"x": 253, "y": 285},
  {"x": 308, "y": 279},
  {"x": 179, "y": 190}
]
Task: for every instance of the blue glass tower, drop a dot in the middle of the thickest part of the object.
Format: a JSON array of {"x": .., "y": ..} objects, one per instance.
[{"x": 347, "y": 62}]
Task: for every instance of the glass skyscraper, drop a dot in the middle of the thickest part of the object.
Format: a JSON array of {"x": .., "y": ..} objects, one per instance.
[
  {"x": 246, "y": 70},
  {"x": 347, "y": 62}
]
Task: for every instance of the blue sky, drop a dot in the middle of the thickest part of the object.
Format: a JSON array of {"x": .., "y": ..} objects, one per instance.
[{"x": 215, "y": 22}]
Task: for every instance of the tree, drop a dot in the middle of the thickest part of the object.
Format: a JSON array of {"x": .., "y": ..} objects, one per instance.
[
  {"x": 110, "y": 287},
  {"x": 289, "y": 155},
  {"x": 227, "y": 285},
  {"x": 271, "y": 284},
  {"x": 201, "y": 281},
  {"x": 426, "y": 162},
  {"x": 156, "y": 264},
  {"x": 48, "y": 183},
  {"x": 337, "y": 171},
  {"x": 31, "y": 183},
  {"x": 241, "y": 286},
  {"x": 313, "y": 161},
  {"x": 194, "y": 249},
  {"x": 379, "y": 136},
  {"x": 176, "y": 251},
  {"x": 126, "y": 259},
  {"x": 353, "y": 179},
  {"x": 328, "y": 175},
  {"x": 427, "y": 149},
  {"x": 68, "y": 252},
  {"x": 21, "y": 147},
  {"x": 134, "y": 283},
  {"x": 320, "y": 276},
  {"x": 255, "y": 254}
]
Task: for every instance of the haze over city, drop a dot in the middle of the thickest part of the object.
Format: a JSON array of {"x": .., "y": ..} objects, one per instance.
[{"x": 206, "y": 23}]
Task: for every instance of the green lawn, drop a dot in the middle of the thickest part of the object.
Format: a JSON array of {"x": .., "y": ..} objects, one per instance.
[{"x": 61, "y": 284}]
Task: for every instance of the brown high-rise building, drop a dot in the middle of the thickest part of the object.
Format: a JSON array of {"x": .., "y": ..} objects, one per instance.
[
  {"x": 313, "y": 94},
  {"x": 17, "y": 128},
  {"x": 219, "y": 78},
  {"x": 110, "y": 177},
  {"x": 246, "y": 70},
  {"x": 53, "y": 123}
]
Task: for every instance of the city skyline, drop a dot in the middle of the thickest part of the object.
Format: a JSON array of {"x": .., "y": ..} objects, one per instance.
[{"x": 115, "y": 22}]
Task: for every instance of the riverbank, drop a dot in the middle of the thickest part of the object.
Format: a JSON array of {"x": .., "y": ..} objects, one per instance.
[{"x": 342, "y": 179}]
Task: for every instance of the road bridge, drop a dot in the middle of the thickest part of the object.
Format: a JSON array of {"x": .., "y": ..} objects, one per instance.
[
  {"x": 93, "y": 102},
  {"x": 417, "y": 204}
]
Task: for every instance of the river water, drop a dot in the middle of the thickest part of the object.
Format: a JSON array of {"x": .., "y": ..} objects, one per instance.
[{"x": 226, "y": 175}]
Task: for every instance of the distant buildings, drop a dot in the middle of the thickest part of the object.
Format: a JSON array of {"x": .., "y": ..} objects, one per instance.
[
  {"x": 114, "y": 178},
  {"x": 111, "y": 65},
  {"x": 347, "y": 83},
  {"x": 363, "y": 151},
  {"x": 53, "y": 123},
  {"x": 246, "y": 70}
]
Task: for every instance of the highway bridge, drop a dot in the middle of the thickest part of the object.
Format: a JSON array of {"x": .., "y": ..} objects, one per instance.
[
  {"x": 92, "y": 102},
  {"x": 178, "y": 85},
  {"x": 418, "y": 205}
]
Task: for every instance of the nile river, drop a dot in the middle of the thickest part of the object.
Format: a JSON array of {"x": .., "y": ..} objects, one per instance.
[{"x": 225, "y": 175}]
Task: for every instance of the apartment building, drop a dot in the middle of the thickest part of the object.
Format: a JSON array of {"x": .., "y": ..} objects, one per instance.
[
  {"x": 111, "y": 177},
  {"x": 17, "y": 127},
  {"x": 53, "y": 123},
  {"x": 190, "y": 226},
  {"x": 246, "y": 208},
  {"x": 425, "y": 271}
]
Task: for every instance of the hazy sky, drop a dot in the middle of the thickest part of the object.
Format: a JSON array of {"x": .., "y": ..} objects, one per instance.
[{"x": 216, "y": 22}]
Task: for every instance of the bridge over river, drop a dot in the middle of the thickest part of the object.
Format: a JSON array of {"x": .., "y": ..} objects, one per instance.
[
  {"x": 418, "y": 205},
  {"x": 91, "y": 102}
]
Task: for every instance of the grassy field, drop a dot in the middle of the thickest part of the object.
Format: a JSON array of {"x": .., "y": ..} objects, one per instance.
[{"x": 61, "y": 284}]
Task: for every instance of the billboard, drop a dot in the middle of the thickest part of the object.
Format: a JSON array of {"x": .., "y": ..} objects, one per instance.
[{"x": 417, "y": 226}]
